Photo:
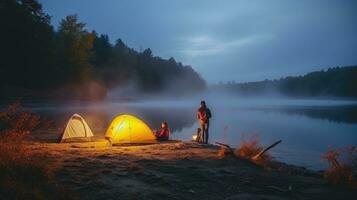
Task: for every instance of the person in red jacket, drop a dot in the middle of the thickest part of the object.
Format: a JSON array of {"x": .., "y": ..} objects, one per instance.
[
  {"x": 203, "y": 115},
  {"x": 164, "y": 132}
]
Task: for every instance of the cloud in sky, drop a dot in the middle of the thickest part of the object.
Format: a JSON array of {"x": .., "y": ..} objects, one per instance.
[
  {"x": 202, "y": 46},
  {"x": 228, "y": 40}
]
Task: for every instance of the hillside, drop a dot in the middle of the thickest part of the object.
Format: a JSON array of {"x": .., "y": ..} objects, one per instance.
[{"x": 333, "y": 82}]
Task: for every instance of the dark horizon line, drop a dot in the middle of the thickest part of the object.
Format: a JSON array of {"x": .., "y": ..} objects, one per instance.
[{"x": 277, "y": 79}]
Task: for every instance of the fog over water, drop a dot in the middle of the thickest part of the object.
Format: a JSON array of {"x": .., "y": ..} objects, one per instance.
[{"x": 307, "y": 127}]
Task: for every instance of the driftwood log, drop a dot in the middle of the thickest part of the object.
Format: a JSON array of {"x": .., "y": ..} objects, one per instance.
[
  {"x": 257, "y": 156},
  {"x": 265, "y": 150}
]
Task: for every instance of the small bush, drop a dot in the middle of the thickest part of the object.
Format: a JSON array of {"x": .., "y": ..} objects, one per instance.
[
  {"x": 16, "y": 123},
  {"x": 342, "y": 166},
  {"x": 24, "y": 173},
  {"x": 249, "y": 148}
]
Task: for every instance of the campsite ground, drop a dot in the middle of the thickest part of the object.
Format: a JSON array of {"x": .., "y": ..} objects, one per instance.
[{"x": 176, "y": 170}]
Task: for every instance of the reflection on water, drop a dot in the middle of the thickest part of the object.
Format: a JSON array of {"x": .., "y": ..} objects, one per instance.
[
  {"x": 306, "y": 130},
  {"x": 340, "y": 114}
]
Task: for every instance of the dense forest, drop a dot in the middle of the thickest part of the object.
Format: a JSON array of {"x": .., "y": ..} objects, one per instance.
[
  {"x": 71, "y": 62},
  {"x": 333, "y": 82}
]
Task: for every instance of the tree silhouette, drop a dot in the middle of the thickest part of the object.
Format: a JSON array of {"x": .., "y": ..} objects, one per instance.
[
  {"x": 334, "y": 82},
  {"x": 75, "y": 45},
  {"x": 75, "y": 62}
]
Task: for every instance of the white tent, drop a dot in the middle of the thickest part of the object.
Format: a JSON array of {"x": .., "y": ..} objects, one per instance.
[{"x": 76, "y": 128}]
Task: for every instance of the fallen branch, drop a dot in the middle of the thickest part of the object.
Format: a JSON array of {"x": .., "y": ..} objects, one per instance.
[
  {"x": 226, "y": 149},
  {"x": 265, "y": 150},
  {"x": 225, "y": 145}
]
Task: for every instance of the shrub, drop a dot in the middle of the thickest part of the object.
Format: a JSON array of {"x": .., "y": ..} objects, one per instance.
[
  {"x": 342, "y": 166},
  {"x": 249, "y": 148},
  {"x": 17, "y": 123},
  {"x": 24, "y": 173}
]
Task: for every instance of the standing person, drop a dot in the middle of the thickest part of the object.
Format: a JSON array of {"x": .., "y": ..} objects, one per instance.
[{"x": 203, "y": 116}]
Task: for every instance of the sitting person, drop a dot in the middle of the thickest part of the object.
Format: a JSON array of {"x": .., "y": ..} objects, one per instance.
[{"x": 163, "y": 133}]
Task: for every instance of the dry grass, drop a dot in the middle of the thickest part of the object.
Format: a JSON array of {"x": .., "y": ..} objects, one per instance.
[
  {"x": 224, "y": 152},
  {"x": 342, "y": 166},
  {"x": 27, "y": 175},
  {"x": 249, "y": 148},
  {"x": 16, "y": 123},
  {"x": 23, "y": 173}
]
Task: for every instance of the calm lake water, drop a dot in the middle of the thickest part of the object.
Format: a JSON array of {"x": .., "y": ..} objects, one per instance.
[{"x": 307, "y": 128}]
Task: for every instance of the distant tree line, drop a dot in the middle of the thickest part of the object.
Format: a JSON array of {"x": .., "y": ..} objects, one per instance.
[
  {"x": 333, "y": 82},
  {"x": 77, "y": 63}
]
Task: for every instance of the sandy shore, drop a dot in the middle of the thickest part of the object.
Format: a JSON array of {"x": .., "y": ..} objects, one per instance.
[{"x": 176, "y": 170}]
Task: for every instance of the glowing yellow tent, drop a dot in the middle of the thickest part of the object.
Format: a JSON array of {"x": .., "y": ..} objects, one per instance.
[{"x": 129, "y": 129}]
